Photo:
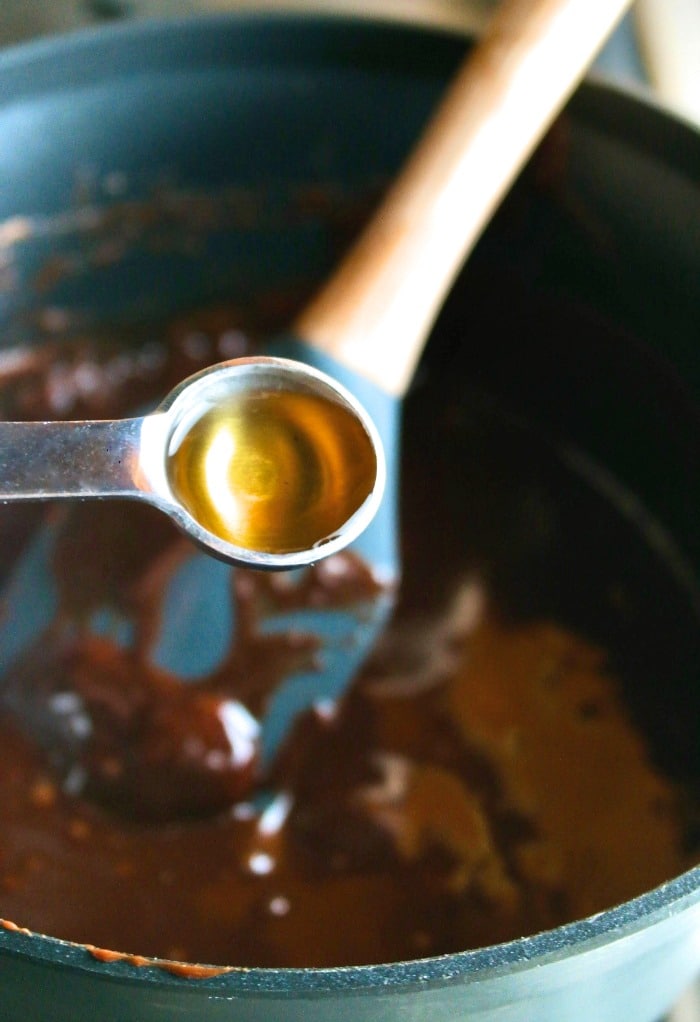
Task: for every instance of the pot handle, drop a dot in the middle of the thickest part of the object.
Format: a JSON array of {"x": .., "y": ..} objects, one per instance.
[{"x": 669, "y": 40}]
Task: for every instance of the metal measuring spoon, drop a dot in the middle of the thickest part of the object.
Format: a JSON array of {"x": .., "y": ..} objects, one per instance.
[{"x": 264, "y": 462}]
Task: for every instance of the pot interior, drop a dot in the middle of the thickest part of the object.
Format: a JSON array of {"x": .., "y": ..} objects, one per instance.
[{"x": 195, "y": 168}]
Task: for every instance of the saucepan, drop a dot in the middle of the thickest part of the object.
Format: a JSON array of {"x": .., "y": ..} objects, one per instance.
[{"x": 155, "y": 168}]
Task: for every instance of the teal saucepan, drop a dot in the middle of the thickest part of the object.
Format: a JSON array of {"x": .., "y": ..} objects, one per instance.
[{"x": 156, "y": 168}]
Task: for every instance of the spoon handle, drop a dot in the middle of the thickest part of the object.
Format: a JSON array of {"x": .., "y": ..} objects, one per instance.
[
  {"x": 48, "y": 460},
  {"x": 375, "y": 313}
]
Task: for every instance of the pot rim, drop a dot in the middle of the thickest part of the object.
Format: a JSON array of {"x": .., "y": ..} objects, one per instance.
[{"x": 31, "y": 68}]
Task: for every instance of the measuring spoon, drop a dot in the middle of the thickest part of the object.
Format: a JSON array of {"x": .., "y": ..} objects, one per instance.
[{"x": 264, "y": 462}]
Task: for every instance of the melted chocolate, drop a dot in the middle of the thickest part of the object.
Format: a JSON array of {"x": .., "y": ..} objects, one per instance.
[{"x": 420, "y": 816}]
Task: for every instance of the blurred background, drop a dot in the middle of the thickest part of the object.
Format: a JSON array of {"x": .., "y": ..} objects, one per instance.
[
  {"x": 658, "y": 45},
  {"x": 656, "y": 49}
]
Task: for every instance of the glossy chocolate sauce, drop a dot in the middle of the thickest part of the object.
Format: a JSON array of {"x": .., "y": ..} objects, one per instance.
[{"x": 483, "y": 780}]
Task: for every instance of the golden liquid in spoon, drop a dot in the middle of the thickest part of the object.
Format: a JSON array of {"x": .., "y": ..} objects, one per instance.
[{"x": 273, "y": 471}]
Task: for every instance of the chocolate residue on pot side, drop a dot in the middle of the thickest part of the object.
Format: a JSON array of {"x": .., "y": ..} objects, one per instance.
[
  {"x": 420, "y": 816},
  {"x": 184, "y": 970}
]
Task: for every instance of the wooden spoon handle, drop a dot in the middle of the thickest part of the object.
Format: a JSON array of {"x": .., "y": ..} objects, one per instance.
[{"x": 375, "y": 313}]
